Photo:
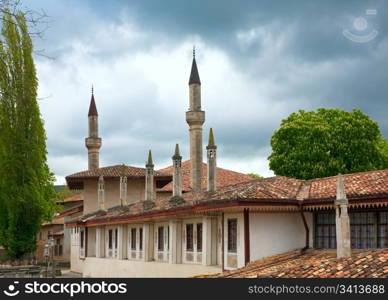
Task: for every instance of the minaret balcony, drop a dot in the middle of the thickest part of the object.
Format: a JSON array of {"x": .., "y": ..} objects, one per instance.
[
  {"x": 195, "y": 117},
  {"x": 93, "y": 142}
]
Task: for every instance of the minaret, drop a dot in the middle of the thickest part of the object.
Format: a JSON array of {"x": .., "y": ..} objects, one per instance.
[
  {"x": 177, "y": 174},
  {"x": 342, "y": 222},
  {"x": 93, "y": 142},
  {"x": 195, "y": 117},
  {"x": 211, "y": 163}
]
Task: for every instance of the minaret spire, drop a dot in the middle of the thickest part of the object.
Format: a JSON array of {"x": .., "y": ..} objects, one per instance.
[
  {"x": 149, "y": 162},
  {"x": 92, "y": 106},
  {"x": 195, "y": 117},
  {"x": 194, "y": 75},
  {"x": 93, "y": 142}
]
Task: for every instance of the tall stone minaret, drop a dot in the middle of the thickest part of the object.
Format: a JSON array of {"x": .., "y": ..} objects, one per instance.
[
  {"x": 93, "y": 142},
  {"x": 195, "y": 117}
]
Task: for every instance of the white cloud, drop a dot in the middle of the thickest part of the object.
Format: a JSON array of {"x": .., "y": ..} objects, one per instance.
[{"x": 141, "y": 88}]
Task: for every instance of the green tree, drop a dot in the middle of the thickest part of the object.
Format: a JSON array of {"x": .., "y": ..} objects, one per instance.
[
  {"x": 254, "y": 175},
  {"x": 326, "y": 142},
  {"x": 383, "y": 148},
  {"x": 26, "y": 183}
]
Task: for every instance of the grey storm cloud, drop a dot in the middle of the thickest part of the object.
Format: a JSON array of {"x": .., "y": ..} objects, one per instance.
[{"x": 258, "y": 61}]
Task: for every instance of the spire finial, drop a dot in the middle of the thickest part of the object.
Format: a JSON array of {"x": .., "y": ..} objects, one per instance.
[
  {"x": 194, "y": 76},
  {"x": 211, "y": 144},
  {"x": 177, "y": 154},
  {"x": 92, "y": 106},
  {"x": 149, "y": 162}
]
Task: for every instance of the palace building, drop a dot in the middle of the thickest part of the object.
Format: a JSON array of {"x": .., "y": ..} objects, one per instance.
[{"x": 194, "y": 218}]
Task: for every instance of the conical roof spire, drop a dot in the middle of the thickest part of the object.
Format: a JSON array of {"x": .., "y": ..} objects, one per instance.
[
  {"x": 211, "y": 144},
  {"x": 194, "y": 76},
  {"x": 92, "y": 107},
  {"x": 149, "y": 162},
  {"x": 177, "y": 154}
]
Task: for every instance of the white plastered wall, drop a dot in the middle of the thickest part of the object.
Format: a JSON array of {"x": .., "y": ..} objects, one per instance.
[{"x": 276, "y": 233}]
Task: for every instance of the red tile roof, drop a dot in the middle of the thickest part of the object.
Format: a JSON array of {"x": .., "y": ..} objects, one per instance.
[
  {"x": 372, "y": 183},
  {"x": 71, "y": 210},
  {"x": 75, "y": 198},
  {"x": 224, "y": 177},
  {"x": 316, "y": 263},
  {"x": 58, "y": 220},
  {"x": 115, "y": 171},
  {"x": 278, "y": 191},
  {"x": 267, "y": 188}
]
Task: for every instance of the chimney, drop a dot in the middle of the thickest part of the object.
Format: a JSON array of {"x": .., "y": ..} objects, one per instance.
[
  {"x": 149, "y": 188},
  {"x": 101, "y": 193},
  {"x": 342, "y": 220},
  {"x": 177, "y": 175},
  {"x": 211, "y": 164},
  {"x": 123, "y": 186}
]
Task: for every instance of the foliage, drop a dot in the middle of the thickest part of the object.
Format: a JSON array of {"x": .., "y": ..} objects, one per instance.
[
  {"x": 254, "y": 175},
  {"x": 26, "y": 183},
  {"x": 327, "y": 142},
  {"x": 383, "y": 148},
  {"x": 65, "y": 192}
]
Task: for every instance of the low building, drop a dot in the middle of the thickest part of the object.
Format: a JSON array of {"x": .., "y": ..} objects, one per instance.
[
  {"x": 57, "y": 230},
  {"x": 194, "y": 218}
]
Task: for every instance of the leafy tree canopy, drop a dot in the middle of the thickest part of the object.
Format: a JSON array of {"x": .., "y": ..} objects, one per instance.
[
  {"x": 313, "y": 144},
  {"x": 26, "y": 183},
  {"x": 254, "y": 175}
]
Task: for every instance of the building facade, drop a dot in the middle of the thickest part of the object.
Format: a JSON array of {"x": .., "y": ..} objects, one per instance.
[{"x": 194, "y": 218}]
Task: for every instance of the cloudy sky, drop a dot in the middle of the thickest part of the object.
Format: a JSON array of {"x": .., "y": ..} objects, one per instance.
[{"x": 258, "y": 62}]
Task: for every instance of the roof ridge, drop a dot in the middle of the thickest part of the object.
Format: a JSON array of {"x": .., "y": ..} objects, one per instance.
[{"x": 346, "y": 174}]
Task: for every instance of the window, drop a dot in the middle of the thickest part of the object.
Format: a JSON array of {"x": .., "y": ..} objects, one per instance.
[
  {"x": 383, "y": 230},
  {"x": 110, "y": 238},
  {"x": 116, "y": 235},
  {"x": 189, "y": 237},
  {"x": 48, "y": 234},
  {"x": 362, "y": 230},
  {"x": 140, "y": 238},
  {"x": 133, "y": 238},
  {"x": 82, "y": 239},
  {"x": 58, "y": 247},
  {"x": 367, "y": 230},
  {"x": 168, "y": 237},
  {"x": 232, "y": 235},
  {"x": 160, "y": 238},
  {"x": 199, "y": 237},
  {"x": 325, "y": 236}
]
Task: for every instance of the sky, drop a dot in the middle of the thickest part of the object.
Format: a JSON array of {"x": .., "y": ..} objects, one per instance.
[{"x": 258, "y": 62}]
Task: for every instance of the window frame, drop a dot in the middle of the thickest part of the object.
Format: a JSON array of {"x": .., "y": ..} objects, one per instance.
[
  {"x": 162, "y": 245},
  {"x": 191, "y": 253},
  {"x": 232, "y": 240},
  {"x": 135, "y": 242}
]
